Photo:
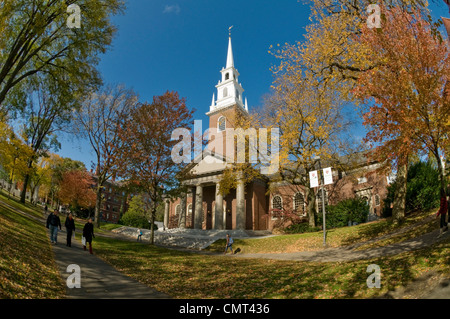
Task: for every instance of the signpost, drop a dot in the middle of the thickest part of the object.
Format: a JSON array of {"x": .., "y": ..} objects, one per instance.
[
  {"x": 314, "y": 182},
  {"x": 314, "y": 179}
]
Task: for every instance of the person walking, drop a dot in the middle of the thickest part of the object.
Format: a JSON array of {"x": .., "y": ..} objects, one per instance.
[
  {"x": 230, "y": 242},
  {"x": 53, "y": 222},
  {"x": 70, "y": 228},
  {"x": 443, "y": 212},
  {"x": 139, "y": 237},
  {"x": 88, "y": 234}
]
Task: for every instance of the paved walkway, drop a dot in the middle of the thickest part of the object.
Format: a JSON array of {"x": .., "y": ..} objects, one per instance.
[
  {"x": 349, "y": 253},
  {"x": 99, "y": 280}
]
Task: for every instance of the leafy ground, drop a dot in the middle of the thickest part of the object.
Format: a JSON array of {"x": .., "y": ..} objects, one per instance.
[
  {"x": 27, "y": 266},
  {"x": 188, "y": 275},
  {"x": 416, "y": 224}
]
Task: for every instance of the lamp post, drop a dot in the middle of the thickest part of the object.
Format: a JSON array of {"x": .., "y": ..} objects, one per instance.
[{"x": 317, "y": 158}]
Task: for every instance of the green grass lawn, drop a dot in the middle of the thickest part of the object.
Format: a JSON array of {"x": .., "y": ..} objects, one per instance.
[
  {"x": 27, "y": 207},
  {"x": 27, "y": 266},
  {"x": 335, "y": 237},
  {"x": 190, "y": 275}
]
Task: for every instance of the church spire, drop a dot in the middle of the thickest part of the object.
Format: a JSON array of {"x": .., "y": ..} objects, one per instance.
[
  {"x": 230, "y": 59},
  {"x": 229, "y": 90}
]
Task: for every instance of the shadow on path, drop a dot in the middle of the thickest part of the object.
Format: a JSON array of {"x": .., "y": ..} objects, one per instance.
[
  {"x": 99, "y": 280},
  {"x": 342, "y": 254}
]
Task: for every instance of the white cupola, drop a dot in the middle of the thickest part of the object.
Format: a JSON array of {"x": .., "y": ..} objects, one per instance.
[{"x": 229, "y": 90}]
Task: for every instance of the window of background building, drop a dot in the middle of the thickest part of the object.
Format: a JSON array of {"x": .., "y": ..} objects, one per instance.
[{"x": 299, "y": 203}]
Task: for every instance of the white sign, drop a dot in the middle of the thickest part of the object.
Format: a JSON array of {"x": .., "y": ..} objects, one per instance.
[
  {"x": 313, "y": 178},
  {"x": 328, "y": 176}
]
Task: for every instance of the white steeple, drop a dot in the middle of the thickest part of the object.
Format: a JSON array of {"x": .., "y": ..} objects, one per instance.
[
  {"x": 229, "y": 90},
  {"x": 230, "y": 59}
]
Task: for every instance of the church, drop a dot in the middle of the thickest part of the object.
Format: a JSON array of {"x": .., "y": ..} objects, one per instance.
[{"x": 250, "y": 206}]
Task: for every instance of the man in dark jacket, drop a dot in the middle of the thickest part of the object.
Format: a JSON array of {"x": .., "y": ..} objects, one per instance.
[
  {"x": 88, "y": 234},
  {"x": 53, "y": 222},
  {"x": 70, "y": 227}
]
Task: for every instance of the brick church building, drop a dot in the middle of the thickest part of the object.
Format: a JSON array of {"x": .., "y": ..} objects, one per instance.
[{"x": 250, "y": 206}]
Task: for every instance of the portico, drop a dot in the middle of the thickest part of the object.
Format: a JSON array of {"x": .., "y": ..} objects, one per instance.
[{"x": 203, "y": 206}]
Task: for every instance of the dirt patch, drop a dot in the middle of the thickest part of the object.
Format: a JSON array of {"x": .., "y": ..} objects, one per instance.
[{"x": 419, "y": 288}]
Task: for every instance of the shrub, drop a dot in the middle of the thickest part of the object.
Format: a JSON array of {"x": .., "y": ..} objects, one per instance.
[
  {"x": 423, "y": 187},
  {"x": 300, "y": 229},
  {"x": 422, "y": 190},
  {"x": 136, "y": 215},
  {"x": 349, "y": 210}
]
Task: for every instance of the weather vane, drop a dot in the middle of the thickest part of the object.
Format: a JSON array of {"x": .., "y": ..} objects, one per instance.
[{"x": 229, "y": 30}]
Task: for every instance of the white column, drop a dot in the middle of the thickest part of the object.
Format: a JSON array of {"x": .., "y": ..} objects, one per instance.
[
  {"x": 218, "y": 213},
  {"x": 240, "y": 205},
  {"x": 198, "y": 218},
  {"x": 182, "y": 222},
  {"x": 166, "y": 213}
]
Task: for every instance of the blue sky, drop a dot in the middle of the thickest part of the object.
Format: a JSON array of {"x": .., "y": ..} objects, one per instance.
[{"x": 181, "y": 45}]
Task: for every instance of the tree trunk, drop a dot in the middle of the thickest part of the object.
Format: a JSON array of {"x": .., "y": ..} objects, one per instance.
[
  {"x": 311, "y": 206},
  {"x": 23, "y": 193},
  {"x": 443, "y": 186},
  {"x": 98, "y": 204},
  {"x": 26, "y": 180},
  {"x": 399, "y": 205},
  {"x": 152, "y": 222}
]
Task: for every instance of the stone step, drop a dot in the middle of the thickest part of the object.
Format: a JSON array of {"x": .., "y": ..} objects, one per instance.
[{"x": 188, "y": 238}]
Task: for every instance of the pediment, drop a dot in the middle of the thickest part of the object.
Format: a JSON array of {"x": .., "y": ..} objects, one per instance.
[{"x": 209, "y": 164}]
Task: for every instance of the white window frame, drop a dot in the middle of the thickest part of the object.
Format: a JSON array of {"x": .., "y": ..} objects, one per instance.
[
  {"x": 377, "y": 200},
  {"x": 281, "y": 199},
  {"x": 304, "y": 203},
  {"x": 224, "y": 124}
]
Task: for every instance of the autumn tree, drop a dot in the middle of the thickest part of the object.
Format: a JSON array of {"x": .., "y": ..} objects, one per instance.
[
  {"x": 76, "y": 189},
  {"x": 99, "y": 121},
  {"x": 44, "y": 116},
  {"x": 146, "y": 147},
  {"x": 14, "y": 154},
  {"x": 331, "y": 53},
  {"x": 36, "y": 39},
  {"x": 408, "y": 107},
  {"x": 53, "y": 169}
]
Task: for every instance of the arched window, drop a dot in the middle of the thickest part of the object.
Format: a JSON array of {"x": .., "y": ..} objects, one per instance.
[
  {"x": 177, "y": 210},
  {"x": 299, "y": 203},
  {"x": 227, "y": 76},
  {"x": 319, "y": 200},
  {"x": 277, "y": 206},
  {"x": 225, "y": 92},
  {"x": 366, "y": 199},
  {"x": 237, "y": 94},
  {"x": 222, "y": 124},
  {"x": 277, "y": 202},
  {"x": 377, "y": 200}
]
